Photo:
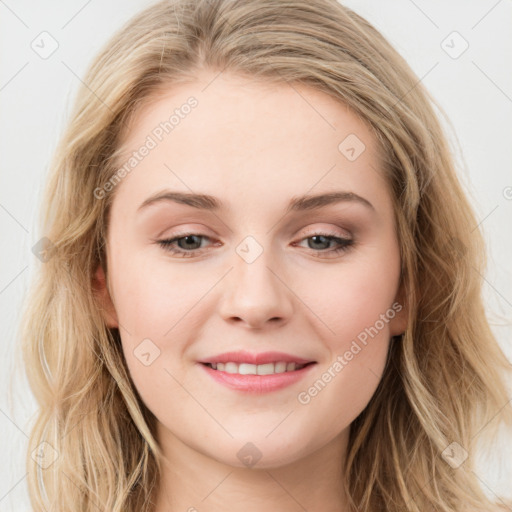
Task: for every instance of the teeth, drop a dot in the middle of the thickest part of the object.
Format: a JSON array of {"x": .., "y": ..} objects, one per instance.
[
  {"x": 230, "y": 367},
  {"x": 280, "y": 367},
  {"x": 265, "y": 369},
  {"x": 259, "y": 369}
]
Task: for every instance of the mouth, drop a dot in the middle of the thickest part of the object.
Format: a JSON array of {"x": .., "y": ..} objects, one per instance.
[
  {"x": 257, "y": 369},
  {"x": 262, "y": 372},
  {"x": 257, "y": 378}
]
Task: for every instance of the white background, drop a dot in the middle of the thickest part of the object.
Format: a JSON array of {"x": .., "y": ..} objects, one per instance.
[{"x": 475, "y": 90}]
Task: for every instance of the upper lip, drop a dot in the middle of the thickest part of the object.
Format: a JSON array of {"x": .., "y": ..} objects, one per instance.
[{"x": 243, "y": 356}]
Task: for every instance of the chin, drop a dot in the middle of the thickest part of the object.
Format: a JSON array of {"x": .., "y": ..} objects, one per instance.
[{"x": 264, "y": 454}]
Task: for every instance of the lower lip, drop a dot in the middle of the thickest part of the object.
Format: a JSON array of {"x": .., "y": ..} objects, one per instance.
[{"x": 257, "y": 383}]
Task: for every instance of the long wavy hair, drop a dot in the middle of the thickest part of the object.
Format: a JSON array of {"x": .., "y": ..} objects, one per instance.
[{"x": 444, "y": 387}]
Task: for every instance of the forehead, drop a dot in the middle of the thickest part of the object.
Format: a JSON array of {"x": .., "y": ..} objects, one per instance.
[{"x": 244, "y": 139}]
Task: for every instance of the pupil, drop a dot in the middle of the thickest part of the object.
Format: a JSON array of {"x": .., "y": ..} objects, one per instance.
[
  {"x": 316, "y": 237},
  {"x": 190, "y": 239}
]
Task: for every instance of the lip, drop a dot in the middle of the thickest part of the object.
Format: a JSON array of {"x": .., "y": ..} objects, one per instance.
[
  {"x": 243, "y": 356},
  {"x": 257, "y": 384}
]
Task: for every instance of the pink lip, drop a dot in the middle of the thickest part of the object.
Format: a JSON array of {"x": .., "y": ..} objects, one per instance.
[
  {"x": 257, "y": 383},
  {"x": 243, "y": 356}
]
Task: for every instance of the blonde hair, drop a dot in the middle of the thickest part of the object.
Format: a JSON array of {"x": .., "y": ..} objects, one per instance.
[{"x": 445, "y": 377}]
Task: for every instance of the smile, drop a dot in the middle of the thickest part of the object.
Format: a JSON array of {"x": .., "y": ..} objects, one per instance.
[
  {"x": 256, "y": 379},
  {"x": 253, "y": 369}
]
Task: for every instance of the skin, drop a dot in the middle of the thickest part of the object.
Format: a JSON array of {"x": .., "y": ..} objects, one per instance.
[{"x": 254, "y": 147}]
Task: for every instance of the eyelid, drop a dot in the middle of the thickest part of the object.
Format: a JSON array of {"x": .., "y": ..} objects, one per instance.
[
  {"x": 310, "y": 231},
  {"x": 344, "y": 244},
  {"x": 330, "y": 231},
  {"x": 180, "y": 232}
]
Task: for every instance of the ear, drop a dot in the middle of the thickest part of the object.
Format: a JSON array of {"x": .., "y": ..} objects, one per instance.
[
  {"x": 398, "y": 324},
  {"x": 106, "y": 306}
]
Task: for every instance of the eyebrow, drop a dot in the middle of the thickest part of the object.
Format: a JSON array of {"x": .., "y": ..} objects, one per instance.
[{"x": 298, "y": 203}]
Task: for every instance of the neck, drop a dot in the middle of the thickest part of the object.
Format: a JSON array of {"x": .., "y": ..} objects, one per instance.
[{"x": 194, "y": 482}]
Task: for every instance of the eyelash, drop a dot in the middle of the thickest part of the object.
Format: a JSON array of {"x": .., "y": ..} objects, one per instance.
[{"x": 344, "y": 244}]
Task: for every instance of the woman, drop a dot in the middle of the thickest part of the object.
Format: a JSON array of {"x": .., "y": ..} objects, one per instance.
[{"x": 258, "y": 367}]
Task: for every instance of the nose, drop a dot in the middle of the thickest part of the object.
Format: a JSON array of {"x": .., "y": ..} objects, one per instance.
[{"x": 256, "y": 295}]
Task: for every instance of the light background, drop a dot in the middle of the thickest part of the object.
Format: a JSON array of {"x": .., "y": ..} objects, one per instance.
[{"x": 475, "y": 90}]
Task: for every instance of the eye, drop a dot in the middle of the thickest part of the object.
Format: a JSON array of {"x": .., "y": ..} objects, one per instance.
[
  {"x": 189, "y": 244},
  {"x": 325, "y": 239}
]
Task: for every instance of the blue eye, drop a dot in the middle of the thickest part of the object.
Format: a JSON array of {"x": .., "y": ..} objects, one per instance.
[
  {"x": 188, "y": 245},
  {"x": 188, "y": 240},
  {"x": 324, "y": 239}
]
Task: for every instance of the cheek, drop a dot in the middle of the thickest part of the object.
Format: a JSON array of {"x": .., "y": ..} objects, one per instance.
[
  {"x": 356, "y": 305},
  {"x": 154, "y": 298},
  {"x": 154, "y": 308},
  {"x": 355, "y": 300}
]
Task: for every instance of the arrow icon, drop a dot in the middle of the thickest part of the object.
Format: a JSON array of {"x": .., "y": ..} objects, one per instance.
[
  {"x": 146, "y": 352},
  {"x": 454, "y": 45},
  {"x": 249, "y": 454},
  {"x": 351, "y": 147},
  {"x": 454, "y": 454}
]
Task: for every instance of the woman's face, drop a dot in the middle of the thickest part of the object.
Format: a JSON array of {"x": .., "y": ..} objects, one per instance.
[{"x": 261, "y": 267}]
